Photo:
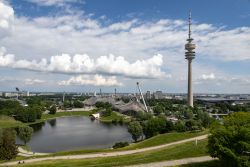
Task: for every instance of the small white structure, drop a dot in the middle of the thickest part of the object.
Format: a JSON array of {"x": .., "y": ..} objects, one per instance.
[
  {"x": 95, "y": 116},
  {"x": 172, "y": 119}
]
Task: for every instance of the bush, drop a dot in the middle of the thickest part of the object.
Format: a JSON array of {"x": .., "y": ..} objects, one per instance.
[
  {"x": 52, "y": 109},
  {"x": 180, "y": 126},
  {"x": 120, "y": 145},
  {"x": 107, "y": 112},
  {"x": 135, "y": 129},
  {"x": 121, "y": 121}
]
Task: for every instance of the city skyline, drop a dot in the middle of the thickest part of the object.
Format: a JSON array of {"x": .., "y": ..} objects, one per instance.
[{"x": 81, "y": 46}]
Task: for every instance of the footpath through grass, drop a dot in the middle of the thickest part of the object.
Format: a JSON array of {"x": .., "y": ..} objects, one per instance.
[{"x": 170, "y": 153}]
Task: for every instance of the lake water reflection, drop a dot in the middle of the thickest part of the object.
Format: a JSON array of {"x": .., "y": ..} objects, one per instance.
[{"x": 70, "y": 133}]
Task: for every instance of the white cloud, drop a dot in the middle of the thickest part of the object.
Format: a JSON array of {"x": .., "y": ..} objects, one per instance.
[
  {"x": 96, "y": 80},
  {"x": 207, "y": 76},
  {"x": 29, "y": 81},
  {"x": 6, "y": 19},
  {"x": 52, "y": 2},
  {"x": 83, "y": 64},
  {"x": 222, "y": 79},
  {"x": 26, "y": 81}
]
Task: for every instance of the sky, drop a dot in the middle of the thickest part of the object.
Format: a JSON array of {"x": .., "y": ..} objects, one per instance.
[{"x": 85, "y": 45}]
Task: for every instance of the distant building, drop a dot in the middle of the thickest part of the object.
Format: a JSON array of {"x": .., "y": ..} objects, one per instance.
[
  {"x": 148, "y": 95},
  {"x": 10, "y": 94},
  {"x": 26, "y": 93},
  {"x": 158, "y": 95}
]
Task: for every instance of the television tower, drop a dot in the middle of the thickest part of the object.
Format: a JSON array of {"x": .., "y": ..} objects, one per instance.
[{"x": 190, "y": 55}]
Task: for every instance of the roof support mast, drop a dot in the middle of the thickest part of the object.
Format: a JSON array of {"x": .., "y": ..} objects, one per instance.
[{"x": 146, "y": 108}]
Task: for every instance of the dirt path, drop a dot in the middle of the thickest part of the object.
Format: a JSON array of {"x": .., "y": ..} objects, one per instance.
[
  {"x": 109, "y": 154},
  {"x": 175, "y": 162}
]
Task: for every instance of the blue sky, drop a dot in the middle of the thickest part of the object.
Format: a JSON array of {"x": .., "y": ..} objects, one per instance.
[
  {"x": 224, "y": 12},
  {"x": 82, "y": 45}
]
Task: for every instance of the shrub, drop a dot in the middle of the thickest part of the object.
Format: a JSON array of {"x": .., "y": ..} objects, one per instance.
[{"x": 120, "y": 145}]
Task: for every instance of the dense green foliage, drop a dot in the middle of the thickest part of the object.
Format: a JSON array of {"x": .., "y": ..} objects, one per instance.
[
  {"x": 120, "y": 145},
  {"x": 52, "y": 109},
  {"x": 100, "y": 104},
  {"x": 230, "y": 141},
  {"x": 20, "y": 113},
  {"x": 25, "y": 133},
  {"x": 135, "y": 129},
  {"x": 106, "y": 112},
  {"x": 8, "y": 148},
  {"x": 154, "y": 126}
]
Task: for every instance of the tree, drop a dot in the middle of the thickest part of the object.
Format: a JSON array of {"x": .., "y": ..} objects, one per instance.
[
  {"x": 8, "y": 148},
  {"x": 135, "y": 129},
  {"x": 107, "y": 112},
  {"x": 52, "y": 109},
  {"x": 158, "y": 109},
  {"x": 188, "y": 113},
  {"x": 230, "y": 141},
  {"x": 38, "y": 110},
  {"x": 193, "y": 125},
  {"x": 204, "y": 117},
  {"x": 25, "y": 133},
  {"x": 180, "y": 126},
  {"x": 154, "y": 126},
  {"x": 77, "y": 104}
]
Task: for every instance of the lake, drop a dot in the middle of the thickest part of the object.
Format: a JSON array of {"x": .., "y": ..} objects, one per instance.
[{"x": 72, "y": 133}]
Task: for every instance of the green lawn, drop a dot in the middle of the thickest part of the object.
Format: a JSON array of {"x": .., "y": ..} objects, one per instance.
[
  {"x": 115, "y": 116},
  {"x": 170, "y": 153},
  {"x": 8, "y": 122}
]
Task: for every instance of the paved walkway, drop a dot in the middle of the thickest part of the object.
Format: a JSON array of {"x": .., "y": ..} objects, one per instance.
[
  {"x": 175, "y": 162},
  {"x": 108, "y": 154}
]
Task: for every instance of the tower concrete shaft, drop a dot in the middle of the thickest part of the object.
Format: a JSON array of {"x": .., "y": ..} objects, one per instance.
[
  {"x": 190, "y": 88},
  {"x": 190, "y": 55}
]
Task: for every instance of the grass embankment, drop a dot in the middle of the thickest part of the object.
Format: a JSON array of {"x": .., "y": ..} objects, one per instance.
[
  {"x": 164, "y": 139},
  {"x": 154, "y": 141},
  {"x": 170, "y": 153},
  {"x": 9, "y": 122},
  {"x": 115, "y": 116}
]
